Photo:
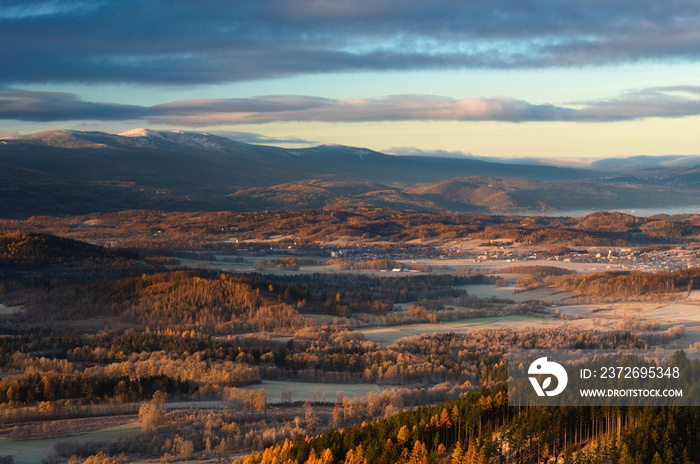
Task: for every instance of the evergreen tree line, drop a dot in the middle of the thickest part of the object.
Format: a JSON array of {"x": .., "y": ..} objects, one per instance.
[{"x": 480, "y": 428}]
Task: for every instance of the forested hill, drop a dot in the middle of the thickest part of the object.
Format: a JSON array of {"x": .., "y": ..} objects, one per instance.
[
  {"x": 480, "y": 428},
  {"x": 220, "y": 230},
  {"x": 34, "y": 250},
  {"x": 74, "y": 172}
]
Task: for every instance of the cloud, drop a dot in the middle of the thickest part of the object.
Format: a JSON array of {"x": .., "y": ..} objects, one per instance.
[
  {"x": 391, "y": 108},
  {"x": 662, "y": 102},
  {"x": 59, "y": 106},
  {"x": 14, "y": 10},
  {"x": 252, "y": 137},
  {"x": 414, "y": 151},
  {"x": 181, "y": 42},
  {"x": 646, "y": 163}
]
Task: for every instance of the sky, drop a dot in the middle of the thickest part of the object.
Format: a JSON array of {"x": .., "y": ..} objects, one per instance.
[{"x": 495, "y": 78}]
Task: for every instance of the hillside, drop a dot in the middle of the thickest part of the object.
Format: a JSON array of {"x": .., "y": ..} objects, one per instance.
[
  {"x": 221, "y": 230},
  {"x": 29, "y": 255},
  {"x": 508, "y": 194},
  {"x": 22, "y": 249},
  {"x": 73, "y": 172},
  {"x": 487, "y": 194}
]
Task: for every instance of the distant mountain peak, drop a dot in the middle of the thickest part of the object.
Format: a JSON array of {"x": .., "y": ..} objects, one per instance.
[
  {"x": 199, "y": 140},
  {"x": 141, "y": 132},
  {"x": 330, "y": 151},
  {"x": 65, "y": 138}
]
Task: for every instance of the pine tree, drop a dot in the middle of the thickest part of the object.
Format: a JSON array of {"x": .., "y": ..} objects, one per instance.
[
  {"x": 404, "y": 434},
  {"x": 356, "y": 456},
  {"x": 419, "y": 454},
  {"x": 625, "y": 455},
  {"x": 470, "y": 457},
  {"x": 457, "y": 454}
]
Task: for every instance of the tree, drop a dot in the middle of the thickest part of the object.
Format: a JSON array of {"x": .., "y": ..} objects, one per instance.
[
  {"x": 404, "y": 434},
  {"x": 310, "y": 418},
  {"x": 356, "y": 456},
  {"x": 260, "y": 401},
  {"x": 474, "y": 455},
  {"x": 99, "y": 458},
  {"x": 419, "y": 454},
  {"x": 286, "y": 395},
  {"x": 457, "y": 454},
  {"x": 183, "y": 448},
  {"x": 151, "y": 412},
  {"x": 625, "y": 455}
]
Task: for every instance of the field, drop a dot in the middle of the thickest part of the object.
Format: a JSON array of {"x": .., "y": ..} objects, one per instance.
[
  {"x": 33, "y": 451},
  {"x": 440, "y": 266},
  {"x": 306, "y": 391},
  {"x": 386, "y": 336},
  {"x": 7, "y": 310}
]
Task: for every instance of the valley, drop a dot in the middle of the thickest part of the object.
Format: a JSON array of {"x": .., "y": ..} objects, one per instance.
[
  {"x": 221, "y": 334},
  {"x": 349, "y": 232},
  {"x": 187, "y": 298}
]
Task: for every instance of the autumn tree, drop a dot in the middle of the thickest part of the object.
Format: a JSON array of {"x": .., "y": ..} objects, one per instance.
[{"x": 151, "y": 412}]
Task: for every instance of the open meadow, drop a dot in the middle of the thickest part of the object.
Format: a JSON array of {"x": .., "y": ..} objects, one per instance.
[
  {"x": 33, "y": 451},
  {"x": 278, "y": 391}
]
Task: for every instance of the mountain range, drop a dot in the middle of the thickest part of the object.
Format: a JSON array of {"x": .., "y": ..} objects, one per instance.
[{"x": 67, "y": 172}]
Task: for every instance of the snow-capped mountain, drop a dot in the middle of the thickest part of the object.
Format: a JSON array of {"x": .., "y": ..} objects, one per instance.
[{"x": 199, "y": 140}]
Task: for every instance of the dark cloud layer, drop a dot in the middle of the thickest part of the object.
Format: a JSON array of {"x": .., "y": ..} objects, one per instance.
[
  {"x": 59, "y": 106},
  {"x": 664, "y": 102},
  {"x": 181, "y": 41}
]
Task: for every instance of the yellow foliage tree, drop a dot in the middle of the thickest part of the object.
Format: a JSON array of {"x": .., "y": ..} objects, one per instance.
[
  {"x": 403, "y": 435},
  {"x": 356, "y": 456}
]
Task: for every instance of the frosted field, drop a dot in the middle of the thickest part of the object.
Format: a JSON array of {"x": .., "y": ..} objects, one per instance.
[
  {"x": 440, "y": 266},
  {"x": 677, "y": 313},
  {"x": 7, "y": 310},
  {"x": 686, "y": 312},
  {"x": 501, "y": 322},
  {"x": 580, "y": 310},
  {"x": 452, "y": 265},
  {"x": 589, "y": 317},
  {"x": 546, "y": 294},
  {"x": 304, "y": 391},
  {"x": 487, "y": 290},
  {"x": 387, "y": 335},
  {"x": 33, "y": 451},
  {"x": 252, "y": 261}
]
